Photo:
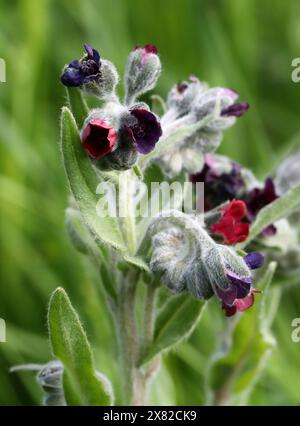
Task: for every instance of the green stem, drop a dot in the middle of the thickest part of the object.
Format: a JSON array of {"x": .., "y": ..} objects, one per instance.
[
  {"x": 135, "y": 380},
  {"x": 128, "y": 335},
  {"x": 126, "y": 209},
  {"x": 150, "y": 306}
]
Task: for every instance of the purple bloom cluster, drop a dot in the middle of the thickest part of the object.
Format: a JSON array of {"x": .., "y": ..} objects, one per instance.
[{"x": 230, "y": 185}]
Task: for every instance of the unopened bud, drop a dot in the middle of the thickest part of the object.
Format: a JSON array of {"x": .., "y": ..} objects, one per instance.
[{"x": 142, "y": 72}]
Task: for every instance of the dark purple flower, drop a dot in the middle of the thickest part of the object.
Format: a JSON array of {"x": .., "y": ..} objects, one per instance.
[
  {"x": 219, "y": 188},
  {"x": 259, "y": 198},
  {"x": 87, "y": 69},
  {"x": 235, "y": 110},
  {"x": 240, "y": 305},
  {"x": 239, "y": 287},
  {"x": 145, "y": 132},
  {"x": 239, "y": 295},
  {"x": 181, "y": 87}
]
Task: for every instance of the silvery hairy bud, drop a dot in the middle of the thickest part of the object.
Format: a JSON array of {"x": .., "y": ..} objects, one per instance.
[
  {"x": 142, "y": 72},
  {"x": 217, "y": 106},
  {"x": 223, "y": 98},
  {"x": 50, "y": 379},
  {"x": 182, "y": 95},
  {"x": 93, "y": 75},
  {"x": 187, "y": 259}
]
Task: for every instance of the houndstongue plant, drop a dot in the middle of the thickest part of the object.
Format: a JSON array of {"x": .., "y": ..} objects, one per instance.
[{"x": 165, "y": 259}]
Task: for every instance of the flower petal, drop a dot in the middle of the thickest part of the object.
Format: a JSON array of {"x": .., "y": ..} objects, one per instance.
[{"x": 254, "y": 260}]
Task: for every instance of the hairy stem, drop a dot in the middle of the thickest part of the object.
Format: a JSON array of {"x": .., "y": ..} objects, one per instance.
[
  {"x": 126, "y": 209},
  {"x": 127, "y": 334},
  {"x": 150, "y": 305},
  {"x": 135, "y": 379}
]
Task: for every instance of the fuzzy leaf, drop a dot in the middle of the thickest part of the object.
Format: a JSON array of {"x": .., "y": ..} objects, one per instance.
[
  {"x": 77, "y": 105},
  {"x": 84, "y": 243},
  {"x": 82, "y": 386},
  {"x": 175, "y": 321},
  {"x": 245, "y": 348},
  {"x": 83, "y": 183},
  {"x": 282, "y": 207}
]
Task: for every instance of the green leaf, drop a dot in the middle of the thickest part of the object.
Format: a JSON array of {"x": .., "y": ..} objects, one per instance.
[
  {"x": 82, "y": 385},
  {"x": 138, "y": 262},
  {"x": 247, "y": 343},
  {"x": 83, "y": 182},
  {"x": 282, "y": 207},
  {"x": 175, "y": 321},
  {"x": 84, "y": 243},
  {"x": 77, "y": 105}
]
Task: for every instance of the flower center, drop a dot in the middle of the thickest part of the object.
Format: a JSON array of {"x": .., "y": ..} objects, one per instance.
[
  {"x": 89, "y": 67},
  {"x": 139, "y": 130}
]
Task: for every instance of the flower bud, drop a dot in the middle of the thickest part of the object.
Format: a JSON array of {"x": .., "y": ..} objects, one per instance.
[
  {"x": 94, "y": 76},
  {"x": 206, "y": 103},
  {"x": 183, "y": 94},
  {"x": 142, "y": 72},
  {"x": 50, "y": 379},
  {"x": 186, "y": 259}
]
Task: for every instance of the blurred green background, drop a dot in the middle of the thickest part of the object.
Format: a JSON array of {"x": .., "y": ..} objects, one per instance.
[{"x": 247, "y": 45}]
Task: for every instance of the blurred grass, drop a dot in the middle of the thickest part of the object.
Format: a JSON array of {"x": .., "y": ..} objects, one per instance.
[{"x": 247, "y": 45}]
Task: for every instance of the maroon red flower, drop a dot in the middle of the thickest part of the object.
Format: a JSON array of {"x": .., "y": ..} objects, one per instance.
[
  {"x": 240, "y": 294},
  {"x": 230, "y": 226},
  {"x": 98, "y": 138},
  {"x": 240, "y": 305},
  {"x": 145, "y": 132}
]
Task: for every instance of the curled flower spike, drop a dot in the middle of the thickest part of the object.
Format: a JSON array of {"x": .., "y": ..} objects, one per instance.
[
  {"x": 187, "y": 259},
  {"x": 145, "y": 132},
  {"x": 98, "y": 138},
  {"x": 230, "y": 226},
  {"x": 87, "y": 69}
]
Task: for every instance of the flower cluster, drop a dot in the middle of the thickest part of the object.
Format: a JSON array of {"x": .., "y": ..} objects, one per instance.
[
  {"x": 225, "y": 180},
  {"x": 115, "y": 134},
  {"x": 186, "y": 258},
  {"x": 185, "y": 255},
  {"x": 193, "y": 102}
]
